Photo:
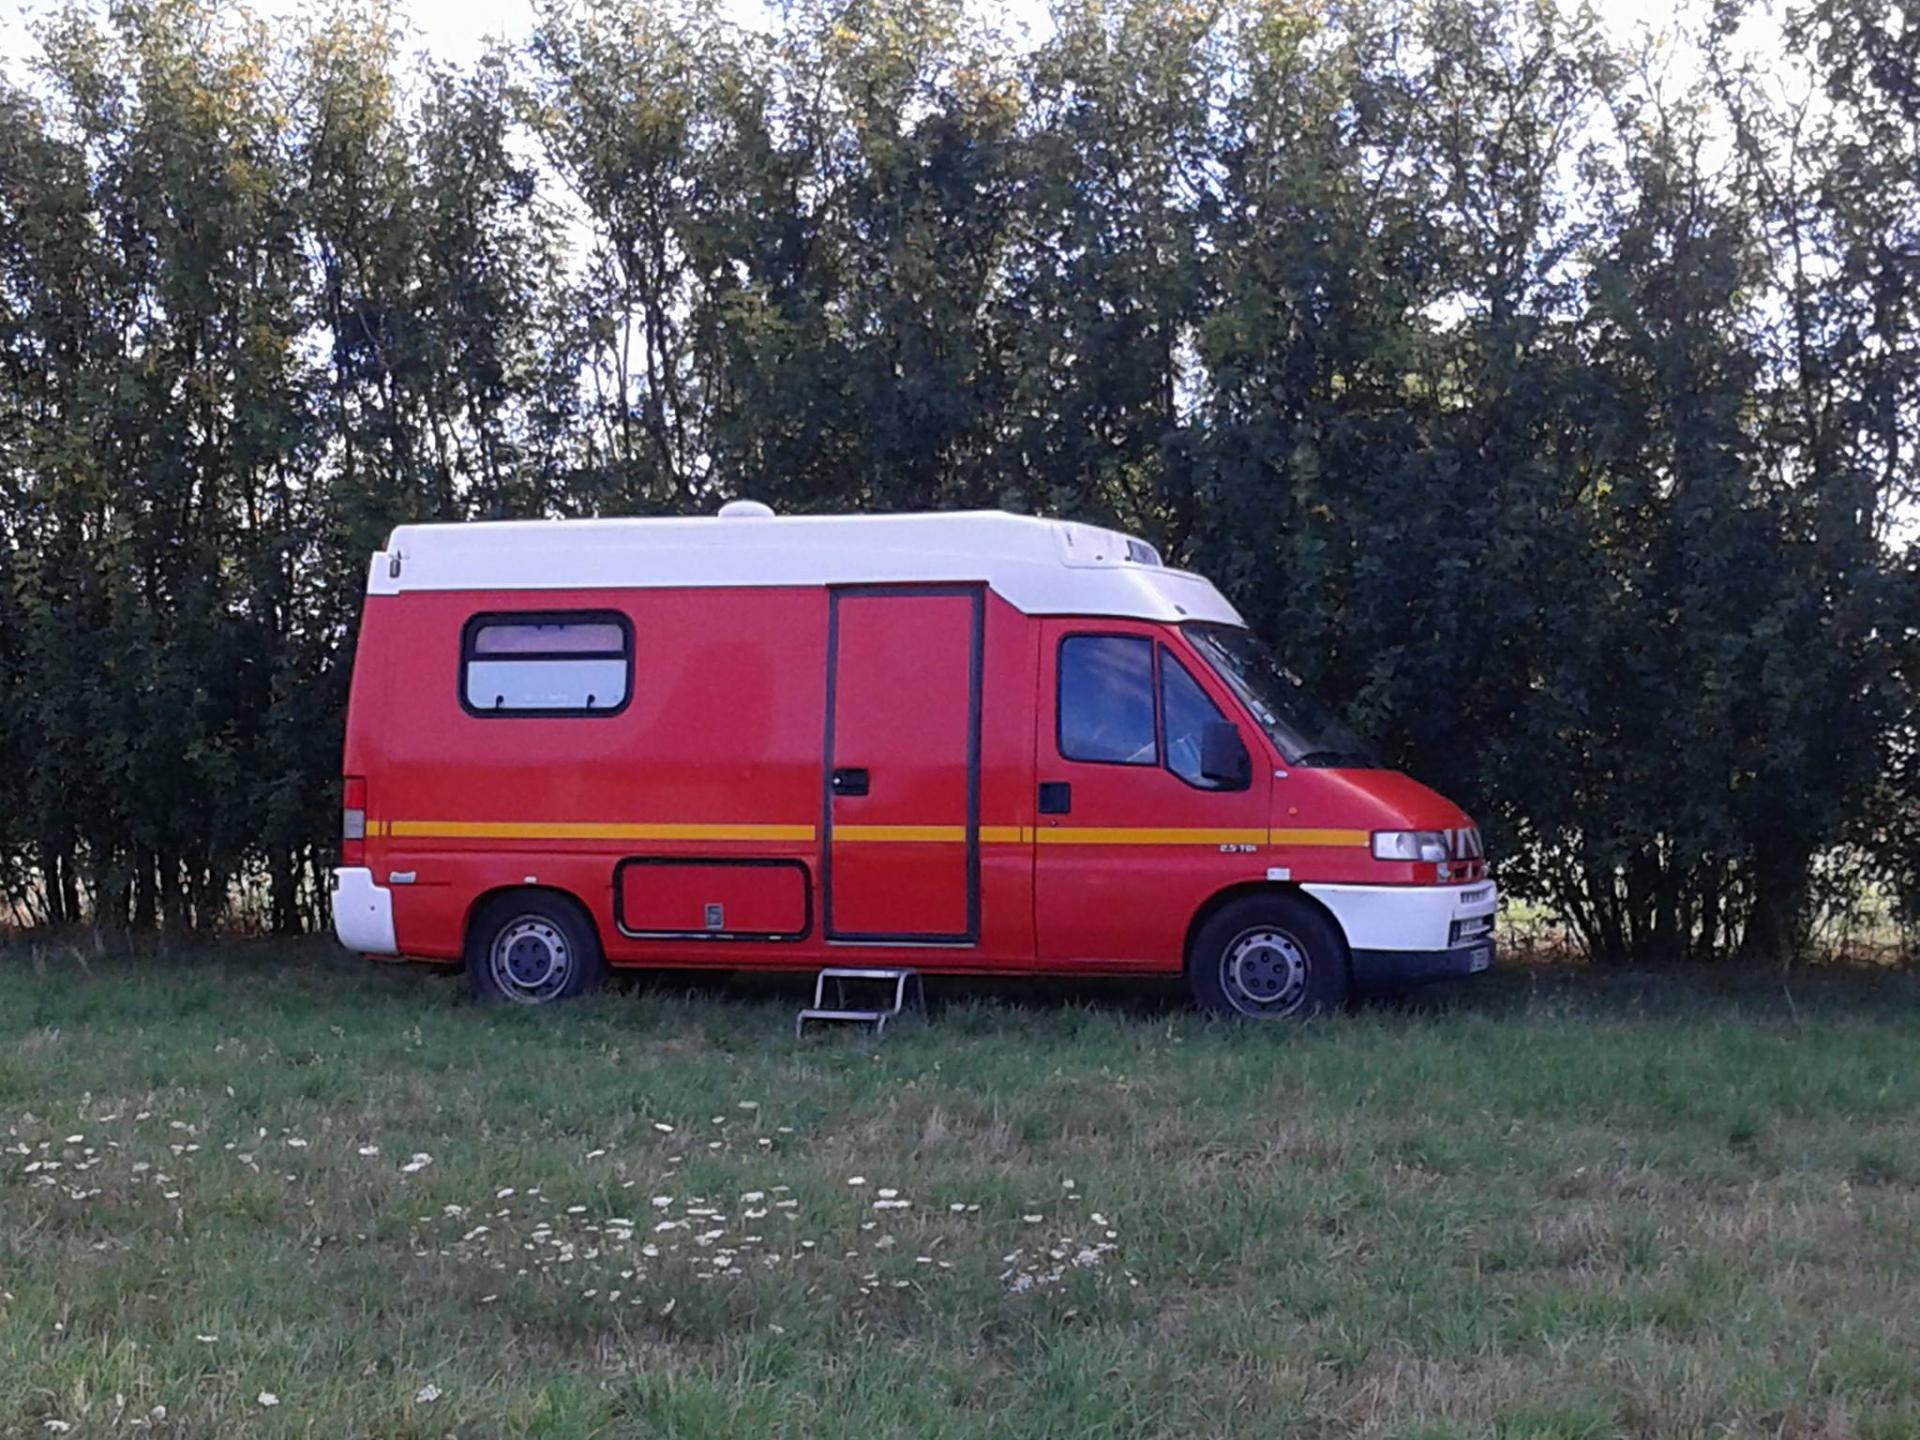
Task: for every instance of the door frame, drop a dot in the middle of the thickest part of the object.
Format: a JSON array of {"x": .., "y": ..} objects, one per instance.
[{"x": 976, "y": 593}]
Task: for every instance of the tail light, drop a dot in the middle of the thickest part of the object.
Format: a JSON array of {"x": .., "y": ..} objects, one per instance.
[{"x": 353, "y": 821}]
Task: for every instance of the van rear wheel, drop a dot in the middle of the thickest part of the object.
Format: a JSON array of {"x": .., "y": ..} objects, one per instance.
[
  {"x": 1268, "y": 957},
  {"x": 532, "y": 948}
]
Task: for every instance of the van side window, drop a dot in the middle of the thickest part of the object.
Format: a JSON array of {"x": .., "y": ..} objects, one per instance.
[
  {"x": 1104, "y": 707},
  {"x": 551, "y": 664},
  {"x": 1186, "y": 711}
]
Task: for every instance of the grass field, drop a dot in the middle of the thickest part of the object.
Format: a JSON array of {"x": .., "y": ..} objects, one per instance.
[{"x": 269, "y": 1190}]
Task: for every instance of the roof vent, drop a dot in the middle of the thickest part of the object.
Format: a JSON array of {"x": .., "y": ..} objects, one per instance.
[{"x": 746, "y": 510}]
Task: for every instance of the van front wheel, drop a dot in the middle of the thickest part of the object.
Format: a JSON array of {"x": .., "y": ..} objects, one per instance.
[
  {"x": 1268, "y": 957},
  {"x": 532, "y": 948}
]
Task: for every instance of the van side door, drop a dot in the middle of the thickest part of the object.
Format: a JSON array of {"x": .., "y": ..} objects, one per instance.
[{"x": 1132, "y": 834}]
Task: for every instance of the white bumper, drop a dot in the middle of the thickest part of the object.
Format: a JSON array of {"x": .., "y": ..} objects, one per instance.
[
  {"x": 363, "y": 912},
  {"x": 1404, "y": 917}
]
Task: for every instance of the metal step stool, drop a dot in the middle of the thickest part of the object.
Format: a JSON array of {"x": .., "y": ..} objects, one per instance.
[{"x": 906, "y": 994}]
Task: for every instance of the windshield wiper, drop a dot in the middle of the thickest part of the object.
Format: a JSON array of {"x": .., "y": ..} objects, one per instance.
[{"x": 1334, "y": 759}]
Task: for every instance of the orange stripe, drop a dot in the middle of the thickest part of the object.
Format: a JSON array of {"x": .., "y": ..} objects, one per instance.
[
  {"x": 589, "y": 830},
  {"x": 922, "y": 833},
  {"x": 919, "y": 834},
  {"x": 1306, "y": 835},
  {"x": 1134, "y": 835}
]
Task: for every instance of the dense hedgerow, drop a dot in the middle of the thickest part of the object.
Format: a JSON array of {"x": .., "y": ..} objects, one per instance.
[{"x": 1549, "y": 398}]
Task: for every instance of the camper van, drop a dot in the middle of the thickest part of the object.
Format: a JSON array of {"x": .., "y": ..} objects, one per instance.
[{"x": 980, "y": 744}]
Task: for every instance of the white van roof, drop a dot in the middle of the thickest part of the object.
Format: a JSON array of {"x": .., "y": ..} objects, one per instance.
[{"x": 1042, "y": 567}]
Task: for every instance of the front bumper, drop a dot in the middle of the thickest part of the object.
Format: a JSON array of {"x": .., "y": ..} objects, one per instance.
[
  {"x": 1387, "y": 968},
  {"x": 363, "y": 912},
  {"x": 1406, "y": 934}
]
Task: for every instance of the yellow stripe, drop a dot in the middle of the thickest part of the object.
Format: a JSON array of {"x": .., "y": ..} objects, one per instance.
[
  {"x": 989, "y": 834},
  {"x": 586, "y": 830},
  {"x": 1107, "y": 835},
  {"x": 900, "y": 832},
  {"x": 1127, "y": 835},
  {"x": 1305, "y": 835}
]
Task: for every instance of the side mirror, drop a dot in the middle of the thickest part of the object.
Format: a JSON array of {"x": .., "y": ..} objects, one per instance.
[{"x": 1223, "y": 756}]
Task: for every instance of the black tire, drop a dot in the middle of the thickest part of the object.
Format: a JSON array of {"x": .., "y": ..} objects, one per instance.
[
  {"x": 533, "y": 947},
  {"x": 1268, "y": 957}
]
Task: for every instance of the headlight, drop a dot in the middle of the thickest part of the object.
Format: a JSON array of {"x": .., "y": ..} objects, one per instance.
[{"x": 1429, "y": 845}]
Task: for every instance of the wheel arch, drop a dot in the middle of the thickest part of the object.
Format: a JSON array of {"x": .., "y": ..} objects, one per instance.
[
  {"x": 553, "y": 892},
  {"x": 1256, "y": 889}
]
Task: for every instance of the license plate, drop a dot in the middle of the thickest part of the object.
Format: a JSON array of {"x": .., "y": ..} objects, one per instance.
[
  {"x": 1481, "y": 959},
  {"x": 1474, "y": 927}
]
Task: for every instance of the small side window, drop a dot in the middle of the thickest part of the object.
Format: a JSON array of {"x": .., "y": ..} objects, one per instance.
[
  {"x": 1186, "y": 712},
  {"x": 1105, "y": 700},
  {"x": 551, "y": 664}
]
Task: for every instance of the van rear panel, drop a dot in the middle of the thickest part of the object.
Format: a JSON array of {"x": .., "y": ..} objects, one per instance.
[{"x": 693, "y": 818}]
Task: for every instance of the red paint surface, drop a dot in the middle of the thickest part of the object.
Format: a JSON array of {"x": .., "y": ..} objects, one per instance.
[
  {"x": 753, "y": 899},
  {"x": 901, "y": 712},
  {"x": 726, "y": 726}
]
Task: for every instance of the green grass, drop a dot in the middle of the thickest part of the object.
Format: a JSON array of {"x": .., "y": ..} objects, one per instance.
[{"x": 1546, "y": 1205}]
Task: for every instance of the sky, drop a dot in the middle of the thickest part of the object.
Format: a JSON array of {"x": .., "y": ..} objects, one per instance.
[{"x": 456, "y": 31}]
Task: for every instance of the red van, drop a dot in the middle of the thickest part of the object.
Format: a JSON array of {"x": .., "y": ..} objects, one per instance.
[{"x": 964, "y": 743}]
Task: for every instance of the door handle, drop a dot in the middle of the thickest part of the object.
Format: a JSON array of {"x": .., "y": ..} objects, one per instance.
[
  {"x": 849, "y": 781},
  {"x": 1056, "y": 797}
]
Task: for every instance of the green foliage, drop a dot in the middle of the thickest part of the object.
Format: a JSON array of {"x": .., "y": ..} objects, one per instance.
[{"x": 1554, "y": 412}]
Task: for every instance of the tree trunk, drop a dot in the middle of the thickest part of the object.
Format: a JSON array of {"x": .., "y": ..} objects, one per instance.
[
  {"x": 285, "y": 903},
  {"x": 145, "y": 888},
  {"x": 1776, "y": 924}
]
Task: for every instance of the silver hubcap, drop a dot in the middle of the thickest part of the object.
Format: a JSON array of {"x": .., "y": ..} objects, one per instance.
[
  {"x": 530, "y": 960},
  {"x": 1264, "y": 973}
]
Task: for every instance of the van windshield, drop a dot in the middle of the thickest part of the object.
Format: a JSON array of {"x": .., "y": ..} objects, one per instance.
[{"x": 1306, "y": 731}]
